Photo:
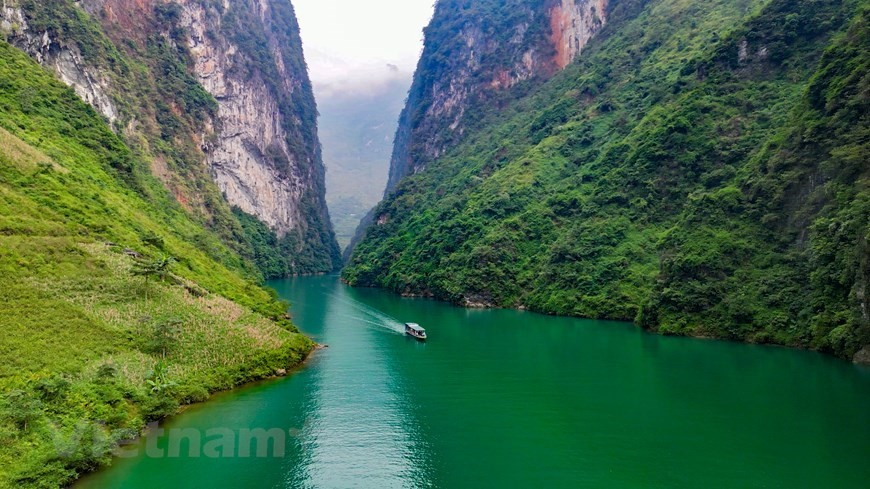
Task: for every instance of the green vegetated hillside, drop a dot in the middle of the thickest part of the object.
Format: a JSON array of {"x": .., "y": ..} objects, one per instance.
[
  {"x": 115, "y": 305},
  {"x": 702, "y": 169},
  {"x": 167, "y": 118}
]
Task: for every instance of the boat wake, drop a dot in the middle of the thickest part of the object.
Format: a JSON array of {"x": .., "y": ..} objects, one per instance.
[{"x": 371, "y": 316}]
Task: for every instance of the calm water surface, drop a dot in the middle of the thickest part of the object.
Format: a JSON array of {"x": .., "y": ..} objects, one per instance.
[{"x": 512, "y": 399}]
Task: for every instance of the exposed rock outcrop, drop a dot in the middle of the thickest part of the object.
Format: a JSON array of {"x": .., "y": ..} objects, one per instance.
[
  {"x": 458, "y": 76},
  {"x": 573, "y": 23},
  {"x": 63, "y": 58},
  {"x": 250, "y": 159},
  {"x": 258, "y": 143}
]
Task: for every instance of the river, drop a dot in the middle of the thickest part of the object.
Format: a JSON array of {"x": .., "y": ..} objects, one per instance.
[{"x": 505, "y": 399}]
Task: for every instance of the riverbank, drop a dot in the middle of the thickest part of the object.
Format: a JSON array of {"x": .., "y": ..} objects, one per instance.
[
  {"x": 93, "y": 360},
  {"x": 472, "y": 302},
  {"x": 117, "y": 305}
]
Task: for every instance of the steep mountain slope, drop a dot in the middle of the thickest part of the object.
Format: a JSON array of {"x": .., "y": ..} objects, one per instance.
[
  {"x": 101, "y": 331},
  {"x": 477, "y": 57},
  {"x": 701, "y": 169},
  {"x": 134, "y": 230},
  {"x": 476, "y": 54},
  {"x": 216, "y": 96}
]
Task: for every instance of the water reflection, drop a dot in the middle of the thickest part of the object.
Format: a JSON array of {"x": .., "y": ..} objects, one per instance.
[{"x": 361, "y": 428}]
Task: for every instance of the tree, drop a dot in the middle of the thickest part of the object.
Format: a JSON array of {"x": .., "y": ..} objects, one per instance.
[
  {"x": 161, "y": 334},
  {"x": 22, "y": 409},
  {"x": 153, "y": 239},
  {"x": 160, "y": 268}
]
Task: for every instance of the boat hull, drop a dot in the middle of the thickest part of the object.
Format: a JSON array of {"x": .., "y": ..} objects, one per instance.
[{"x": 418, "y": 338}]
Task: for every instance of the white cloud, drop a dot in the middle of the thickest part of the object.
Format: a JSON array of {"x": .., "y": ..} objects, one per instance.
[
  {"x": 337, "y": 77},
  {"x": 360, "y": 45}
]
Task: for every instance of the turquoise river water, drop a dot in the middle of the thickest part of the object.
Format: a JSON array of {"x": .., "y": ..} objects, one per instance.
[{"x": 507, "y": 399}]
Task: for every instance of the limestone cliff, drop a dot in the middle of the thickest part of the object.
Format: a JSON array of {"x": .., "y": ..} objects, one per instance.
[
  {"x": 251, "y": 158},
  {"x": 65, "y": 59},
  {"x": 473, "y": 58},
  {"x": 573, "y": 23},
  {"x": 216, "y": 92}
]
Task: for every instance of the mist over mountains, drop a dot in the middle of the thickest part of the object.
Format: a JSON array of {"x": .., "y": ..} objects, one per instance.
[{"x": 357, "y": 126}]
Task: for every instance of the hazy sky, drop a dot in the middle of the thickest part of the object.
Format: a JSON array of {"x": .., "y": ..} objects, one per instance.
[{"x": 353, "y": 45}]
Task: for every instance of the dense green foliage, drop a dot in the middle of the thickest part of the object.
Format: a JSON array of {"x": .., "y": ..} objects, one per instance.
[
  {"x": 283, "y": 256},
  {"x": 115, "y": 305},
  {"x": 702, "y": 169}
]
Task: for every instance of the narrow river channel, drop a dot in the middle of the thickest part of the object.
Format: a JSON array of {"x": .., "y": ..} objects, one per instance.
[{"x": 513, "y": 399}]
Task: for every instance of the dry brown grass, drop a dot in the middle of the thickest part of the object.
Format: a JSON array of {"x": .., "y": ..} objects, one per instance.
[
  {"x": 214, "y": 332},
  {"x": 23, "y": 155}
]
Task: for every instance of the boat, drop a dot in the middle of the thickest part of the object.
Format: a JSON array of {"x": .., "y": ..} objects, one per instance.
[{"x": 414, "y": 329}]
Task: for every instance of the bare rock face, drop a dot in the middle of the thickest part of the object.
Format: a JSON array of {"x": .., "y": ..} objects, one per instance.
[
  {"x": 573, "y": 23},
  {"x": 250, "y": 159},
  {"x": 460, "y": 76},
  {"x": 90, "y": 84},
  {"x": 93, "y": 89},
  {"x": 259, "y": 144}
]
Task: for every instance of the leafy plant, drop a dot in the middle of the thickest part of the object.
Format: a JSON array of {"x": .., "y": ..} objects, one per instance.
[{"x": 158, "y": 380}]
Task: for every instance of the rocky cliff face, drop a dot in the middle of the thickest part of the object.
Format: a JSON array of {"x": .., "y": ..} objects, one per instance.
[
  {"x": 573, "y": 23},
  {"x": 499, "y": 45},
  {"x": 228, "y": 85},
  {"x": 65, "y": 59},
  {"x": 250, "y": 159}
]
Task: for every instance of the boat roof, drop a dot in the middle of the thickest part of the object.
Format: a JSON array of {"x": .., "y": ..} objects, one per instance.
[{"x": 414, "y": 326}]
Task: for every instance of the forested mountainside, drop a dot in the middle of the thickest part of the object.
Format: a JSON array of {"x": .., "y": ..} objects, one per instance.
[
  {"x": 116, "y": 305},
  {"x": 215, "y": 97},
  {"x": 478, "y": 56},
  {"x": 701, "y": 168}
]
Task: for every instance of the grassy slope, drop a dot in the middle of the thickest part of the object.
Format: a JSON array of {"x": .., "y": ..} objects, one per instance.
[
  {"x": 80, "y": 332},
  {"x": 648, "y": 181}
]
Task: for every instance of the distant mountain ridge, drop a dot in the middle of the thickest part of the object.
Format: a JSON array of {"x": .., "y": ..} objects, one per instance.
[{"x": 357, "y": 129}]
